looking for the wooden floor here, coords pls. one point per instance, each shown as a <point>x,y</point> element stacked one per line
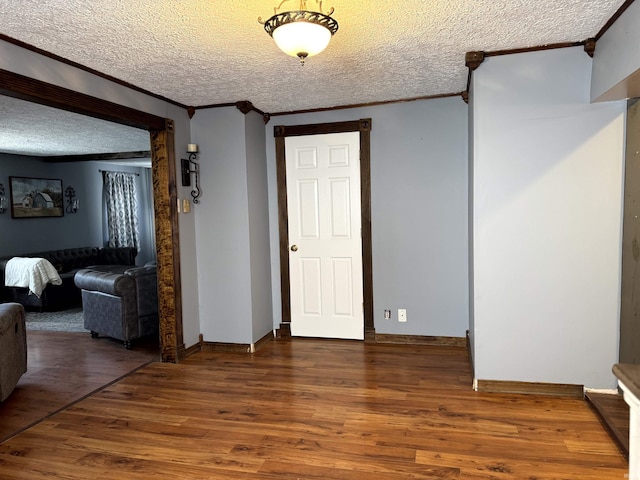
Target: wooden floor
<point>63,368</point>
<point>613,412</point>
<point>314,409</point>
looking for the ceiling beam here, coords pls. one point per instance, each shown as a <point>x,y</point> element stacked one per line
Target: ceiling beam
<point>97,156</point>
<point>26,88</point>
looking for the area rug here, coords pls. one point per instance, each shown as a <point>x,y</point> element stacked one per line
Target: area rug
<point>63,321</point>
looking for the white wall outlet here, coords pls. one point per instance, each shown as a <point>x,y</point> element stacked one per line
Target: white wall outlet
<point>387,314</point>
<point>402,314</point>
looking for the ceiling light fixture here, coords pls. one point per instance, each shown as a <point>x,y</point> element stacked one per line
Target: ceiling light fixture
<point>301,33</point>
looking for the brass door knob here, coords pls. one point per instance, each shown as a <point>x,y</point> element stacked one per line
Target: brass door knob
<point>294,248</point>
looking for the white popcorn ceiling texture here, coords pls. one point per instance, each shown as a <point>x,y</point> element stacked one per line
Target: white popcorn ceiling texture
<point>202,52</point>
<point>30,129</point>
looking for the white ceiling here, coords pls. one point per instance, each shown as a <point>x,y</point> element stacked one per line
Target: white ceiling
<point>30,129</point>
<point>202,52</point>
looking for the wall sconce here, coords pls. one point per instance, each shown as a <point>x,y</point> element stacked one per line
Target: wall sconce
<point>192,150</point>
<point>3,200</point>
<point>72,201</point>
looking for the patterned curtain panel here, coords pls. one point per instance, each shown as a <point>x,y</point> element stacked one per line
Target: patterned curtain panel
<point>122,209</point>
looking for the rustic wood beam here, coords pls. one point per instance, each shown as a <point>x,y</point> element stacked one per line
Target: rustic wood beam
<point>97,156</point>
<point>27,88</point>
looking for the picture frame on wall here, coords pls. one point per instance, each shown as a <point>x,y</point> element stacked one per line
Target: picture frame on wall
<point>36,197</point>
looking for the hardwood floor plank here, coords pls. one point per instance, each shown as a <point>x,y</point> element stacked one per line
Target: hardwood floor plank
<point>477,467</point>
<point>314,409</point>
<point>62,368</point>
<point>613,412</point>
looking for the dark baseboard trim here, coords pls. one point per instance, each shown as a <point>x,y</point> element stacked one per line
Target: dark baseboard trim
<point>237,347</point>
<point>369,335</point>
<point>226,347</point>
<point>263,341</point>
<point>531,388</point>
<point>284,330</point>
<point>473,367</point>
<point>420,340</point>
<point>184,352</point>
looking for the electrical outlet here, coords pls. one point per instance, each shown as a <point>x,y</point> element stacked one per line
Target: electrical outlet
<point>402,315</point>
<point>387,314</point>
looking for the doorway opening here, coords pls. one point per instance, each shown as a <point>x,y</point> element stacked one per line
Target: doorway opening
<point>164,187</point>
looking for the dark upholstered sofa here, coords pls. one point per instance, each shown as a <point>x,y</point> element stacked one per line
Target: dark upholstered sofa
<point>123,305</point>
<point>67,262</point>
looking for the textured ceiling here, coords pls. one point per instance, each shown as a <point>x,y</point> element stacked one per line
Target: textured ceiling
<point>30,129</point>
<point>202,52</point>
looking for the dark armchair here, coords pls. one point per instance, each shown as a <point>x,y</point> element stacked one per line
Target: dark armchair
<point>13,347</point>
<point>123,306</point>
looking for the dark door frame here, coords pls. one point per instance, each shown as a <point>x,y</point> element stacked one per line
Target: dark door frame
<point>164,187</point>
<point>280,132</point>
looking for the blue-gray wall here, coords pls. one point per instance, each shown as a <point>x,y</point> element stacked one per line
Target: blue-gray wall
<point>222,226</point>
<point>82,229</point>
<point>257,189</point>
<point>548,177</point>
<point>419,170</point>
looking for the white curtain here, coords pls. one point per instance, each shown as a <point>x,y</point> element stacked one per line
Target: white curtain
<point>122,209</point>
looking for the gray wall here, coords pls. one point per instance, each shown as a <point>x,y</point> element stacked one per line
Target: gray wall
<point>261,307</point>
<point>232,226</point>
<point>470,232</point>
<point>547,220</point>
<point>616,63</point>
<point>419,169</point>
<point>82,229</point>
<point>222,220</point>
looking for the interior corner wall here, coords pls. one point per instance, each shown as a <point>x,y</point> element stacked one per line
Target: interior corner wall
<point>616,61</point>
<point>547,181</point>
<point>258,201</point>
<point>471,330</point>
<point>222,226</point>
<point>418,213</point>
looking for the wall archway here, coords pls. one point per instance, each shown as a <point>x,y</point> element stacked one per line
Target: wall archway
<point>164,186</point>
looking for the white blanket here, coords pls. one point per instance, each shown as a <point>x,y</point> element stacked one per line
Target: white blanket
<point>31,273</point>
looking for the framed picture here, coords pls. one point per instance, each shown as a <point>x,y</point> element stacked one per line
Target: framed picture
<point>36,197</point>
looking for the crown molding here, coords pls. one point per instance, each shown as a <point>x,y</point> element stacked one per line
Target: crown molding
<point>66,61</point>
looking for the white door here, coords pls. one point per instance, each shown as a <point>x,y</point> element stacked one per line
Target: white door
<point>325,245</point>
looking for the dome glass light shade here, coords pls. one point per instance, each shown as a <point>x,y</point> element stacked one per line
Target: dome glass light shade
<point>302,39</point>
<point>301,33</point>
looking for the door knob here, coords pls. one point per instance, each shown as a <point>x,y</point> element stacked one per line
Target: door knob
<point>294,248</point>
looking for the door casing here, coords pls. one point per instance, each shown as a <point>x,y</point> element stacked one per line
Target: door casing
<point>280,133</point>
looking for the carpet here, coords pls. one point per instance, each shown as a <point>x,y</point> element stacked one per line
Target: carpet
<point>63,321</point>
